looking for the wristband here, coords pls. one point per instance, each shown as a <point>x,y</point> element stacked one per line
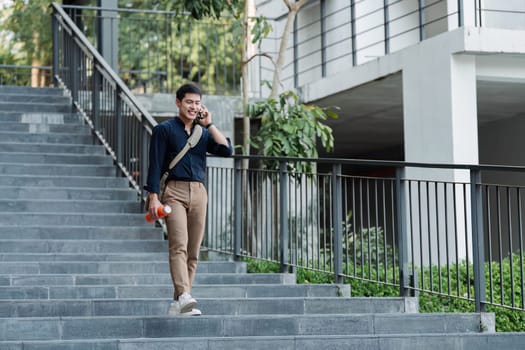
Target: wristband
<point>208,126</point>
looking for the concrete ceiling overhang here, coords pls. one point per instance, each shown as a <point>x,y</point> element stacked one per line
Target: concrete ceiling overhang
<point>370,123</point>
<point>370,120</point>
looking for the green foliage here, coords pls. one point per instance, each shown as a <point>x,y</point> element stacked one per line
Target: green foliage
<point>260,30</point>
<point>198,9</point>
<point>155,49</point>
<point>206,8</point>
<point>507,320</point>
<point>360,288</point>
<point>30,26</point>
<point>366,245</point>
<point>261,266</point>
<point>290,129</point>
<point>313,277</point>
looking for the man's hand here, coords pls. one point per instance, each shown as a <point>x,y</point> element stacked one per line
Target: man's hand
<point>154,204</point>
<point>215,133</point>
<point>206,114</point>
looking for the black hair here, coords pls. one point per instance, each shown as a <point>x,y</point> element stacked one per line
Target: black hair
<point>188,89</point>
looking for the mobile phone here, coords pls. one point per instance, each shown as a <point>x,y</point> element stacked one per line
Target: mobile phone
<point>200,115</point>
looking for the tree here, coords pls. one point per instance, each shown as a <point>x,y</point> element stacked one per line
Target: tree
<point>293,9</point>
<point>288,128</point>
<point>30,27</point>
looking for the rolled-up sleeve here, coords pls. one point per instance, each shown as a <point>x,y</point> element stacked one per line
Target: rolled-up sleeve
<point>219,149</point>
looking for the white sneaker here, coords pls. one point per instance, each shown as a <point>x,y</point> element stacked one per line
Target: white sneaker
<point>193,312</point>
<point>186,302</point>
<point>174,310</point>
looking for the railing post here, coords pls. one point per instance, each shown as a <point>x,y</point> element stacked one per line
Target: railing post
<point>337,219</point>
<point>54,31</point>
<point>421,10</point>
<point>283,216</point>
<point>354,36</point>
<point>74,66</point>
<point>144,148</point>
<point>461,13</point>
<point>402,239</point>
<point>237,218</point>
<point>119,152</point>
<point>386,18</point>
<point>95,105</point>
<point>478,244</point>
<point>323,38</point>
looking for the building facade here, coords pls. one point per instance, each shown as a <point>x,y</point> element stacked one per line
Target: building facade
<point>416,80</point>
<point>428,81</point>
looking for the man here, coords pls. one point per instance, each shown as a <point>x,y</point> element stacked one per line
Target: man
<point>185,192</point>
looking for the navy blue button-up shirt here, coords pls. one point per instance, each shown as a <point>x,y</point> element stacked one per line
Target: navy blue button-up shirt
<point>169,138</point>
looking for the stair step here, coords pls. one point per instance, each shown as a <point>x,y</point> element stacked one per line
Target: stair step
<point>165,291</point>
<point>82,246</point>
<point>75,219</point>
<point>48,328</point>
<point>68,193</point>
<point>40,117</point>
<point>55,158</point>
<point>41,232</point>
<point>99,182</point>
<point>26,90</point>
<point>211,306</point>
<point>414,341</point>
<point>91,267</point>
<point>35,107</point>
<point>79,258</point>
<point>69,206</point>
<point>60,138</point>
<point>113,267</point>
<point>56,169</point>
<point>51,148</point>
<point>40,128</point>
<point>35,98</point>
<point>157,279</point>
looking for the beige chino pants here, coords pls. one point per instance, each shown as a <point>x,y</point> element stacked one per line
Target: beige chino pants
<point>186,223</point>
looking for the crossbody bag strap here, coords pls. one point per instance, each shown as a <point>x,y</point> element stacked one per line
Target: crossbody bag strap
<point>192,141</point>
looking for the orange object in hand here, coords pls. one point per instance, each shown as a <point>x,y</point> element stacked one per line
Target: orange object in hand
<point>162,211</point>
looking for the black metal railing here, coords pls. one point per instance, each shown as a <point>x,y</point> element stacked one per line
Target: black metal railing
<point>160,50</point>
<point>358,32</point>
<point>121,124</point>
<point>432,228</point>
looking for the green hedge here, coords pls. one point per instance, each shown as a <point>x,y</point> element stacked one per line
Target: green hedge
<point>507,320</point>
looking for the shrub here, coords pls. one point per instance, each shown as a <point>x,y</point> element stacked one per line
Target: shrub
<point>507,320</point>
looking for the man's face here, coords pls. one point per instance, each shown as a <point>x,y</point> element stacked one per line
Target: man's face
<point>189,106</point>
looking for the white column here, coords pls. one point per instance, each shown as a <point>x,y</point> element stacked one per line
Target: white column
<point>108,32</point>
<point>440,126</point>
<point>440,115</point>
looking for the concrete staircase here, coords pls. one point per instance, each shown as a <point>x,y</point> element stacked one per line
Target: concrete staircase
<point>81,269</point>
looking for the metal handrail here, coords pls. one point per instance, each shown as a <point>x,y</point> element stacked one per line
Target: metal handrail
<point>423,227</point>
<point>106,82</point>
<point>181,47</point>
